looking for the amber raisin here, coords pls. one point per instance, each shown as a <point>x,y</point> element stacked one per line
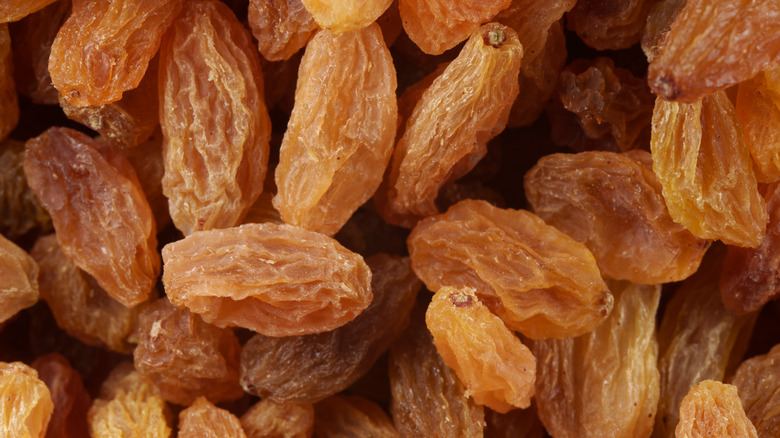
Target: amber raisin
<point>268,419</point>
<point>351,417</point>
<point>9,105</point>
<point>609,24</point>
<point>18,279</point>
<point>758,381</point>
<point>26,405</point>
<point>281,27</point>
<point>70,398</point>
<point>713,408</point>
<point>12,10</point>
<point>758,109</point>
<point>346,15</point>
<point>204,420</point>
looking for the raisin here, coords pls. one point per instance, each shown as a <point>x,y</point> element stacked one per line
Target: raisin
<point>102,219</point>
<point>9,105</point>
<point>351,417</point>
<point>758,109</point>
<point>713,408</point>
<point>19,284</point>
<point>26,405</point>
<point>435,31</point>
<point>80,306</point>
<point>104,47</point>
<point>609,24</point>
<point>659,19</point>
<point>466,106</point>
<point>715,44</point>
<point>340,16</point>
<point>215,125</point>
<point>281,27</point>
<point>704,167</point>
<point>758,383</point>
<point>204,420</point>
<point>517,423</point>
<point>540,281</point>
<point>147,160</point>
<point>22,212</point>
<point>340,135</point>
<point>185,357</point>
<point>13,10</point>
<point>283,420</point>
<point>428,399</point>
<point>301,282</point>
<point>495,367</point>
<point>603,383</point>
<point>70,398</point>
<point>613,204</point>
<point>327,363</point>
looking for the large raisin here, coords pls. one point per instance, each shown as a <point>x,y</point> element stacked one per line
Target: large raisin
<point>609,24</point>
<point>340,135</point>
<point>204,420</point>
<point>351,417</point>
<point>758,382</point>
<point>278,420</point>
<point>713,408</point>
<point>346,15</point>
<point>70,398</point>
<point>22,212</point>
<point>281,27</point>
<point>278,280</point>
<point>758,109</point>
<point>26,405</point>
<point>18,279</point>
<point>9,104</point>
<point>215,124</point>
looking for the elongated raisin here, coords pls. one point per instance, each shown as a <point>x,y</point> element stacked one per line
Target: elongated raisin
<point>19,284</point>
<point>351,417</point>
<point>70,398</point>
<point>609,24</point>
<point>758,109</point>
<point>758,381</point>
<point>281,27</point>
<point>215,124</point>
<point>267,418</point>
<point>301,282</point>
<point>9,104</point>
<point>204,420</point>
<point>713,408</point>
<point>26,405</point>
<point>340,16</point>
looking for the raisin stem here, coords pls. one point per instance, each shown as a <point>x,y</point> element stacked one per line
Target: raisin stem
<point>494,37</point>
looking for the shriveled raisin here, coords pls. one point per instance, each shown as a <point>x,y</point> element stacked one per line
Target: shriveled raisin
<point>758,109</point>
<point>204,420</point>
<point>23,212</point>
<point>340,16</point>
<point>9,104</point>
<point>26,405</point>
<point>351,417</point>
<point>268,418</point>
<point>609,24</point>
<point>713,408</point>
<point>758,382</point>
<point>70,398</point>
<point>18,279</point>
<point>281,27</point>
<point>12,10</point>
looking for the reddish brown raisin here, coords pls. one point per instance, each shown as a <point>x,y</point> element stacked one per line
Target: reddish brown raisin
<point>281,27</point>
<point>70,398</point>
<point>353,416</point>
<point>609,24</point>
<point>9,105</point>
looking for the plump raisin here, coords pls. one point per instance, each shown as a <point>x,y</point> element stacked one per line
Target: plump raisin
<point>9,104</point>
<point>713,408</point>
<point>345,15</point>
<point>204,420</point>
<point>215,124</point>
<point>26,405</point>
<point>758,382</point>
<point>571,393</point>
<point>80,306</point>
<point>351,416</point>
<point>609,24</point>
<point>326,363</point>
<point>613,204</point>
<point>281,27</point>
<point>466,106</point>
<point>301,282</point>
<point>70,398</point>
<point>102,219</point>
<point>494,365</point>
<point>659,19</point>
<point>104,47</point>
<point>12,10</point>
<point>283,420</point>
<point>540,281</point>
<point>23,212</point>
<point>517,423</point>
<point>701,159</point>
<point>340,135</point>
<point>18,279</point>
<point>758,109</point>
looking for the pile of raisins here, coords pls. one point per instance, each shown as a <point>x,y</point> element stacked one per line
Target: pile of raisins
<point>386,218</point>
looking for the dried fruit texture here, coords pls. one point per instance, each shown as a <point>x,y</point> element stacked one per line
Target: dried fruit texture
<point>697,339</point>
<point>105,46</point>
<point>428,399</point>
<point>281,27</point>
<point>340,135</point>
<point>751,276</point>
<point>22,212</point>
<point>9,105</point>
<point>19,284</point>
<point>603,383</point>
<point>204,420</point>
<point>185,357</point>
<point>103,221</point>
<point>659,19</point>
<point>713,408</point>
<point>613,204</point>
<point>609,25</point>
<point>70,398</point>
<point>127,122</point>
<point>129,406</point>
<point>439,25</point>
<point>500,252</point>
<point>517,423</point>
<point>25,402</point>
<point>313,367</point>
<point>465,107</point>
<point>494,365</point>
<point>278,280</point>
<point>215,124</point>
<point>268,419</point>
<point>758,381</point>
<point>758,109</point>
<point>703,165</point>
<point>351,417</point>
<point>13,10</point>
<point>340,16</point>
<point>80,306</point>
<point>32,39</point>
<point>601,107</point>
<point>714,44</point>
<point>147,160</point>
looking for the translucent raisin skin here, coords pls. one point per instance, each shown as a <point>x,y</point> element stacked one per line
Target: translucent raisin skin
<point>19,274</point>
<point>465,107</point>
<point>80,306</point>
<point>281,27</point>
<point>613,204</point>
<point>267,418</point>
<point>338,143</point>
<point>9,105</point>
<point>438,25</point>
<point>70,398</point>
<point>713,408</point>
<point>104,47</point>
<point>703,165</point>
<point>345,15</point>
<point>185,357</point>
<point>102,219</point>
<point>714,44</point>
<point>301,282</point>
<point>571,393</point>
<point>609,24</point>
<point>326,363</point>
<point>758,109</point>
<point>26,405</point>
<point>499,253</point>
<point>758,380</point>
<point>215,124</point>
<point>23,211</point>
<point>204,420</point>
<point>351,416</point>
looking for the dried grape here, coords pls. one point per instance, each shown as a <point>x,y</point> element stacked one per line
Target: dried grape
<point>12,10</point>
<point>758,109</point>
<point>341,16</point>
<point>23,212</point>
<point>713,408</point>
<point>758,381</point>
<point>268,419</point>
<point>9,105</point>
<point>609,24</point>
<point>18,279</point>
<point>281,27</point>
<point>351,417</point>
<point>204,420</point>
<point>70,398</point>
<point>25,405</point>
